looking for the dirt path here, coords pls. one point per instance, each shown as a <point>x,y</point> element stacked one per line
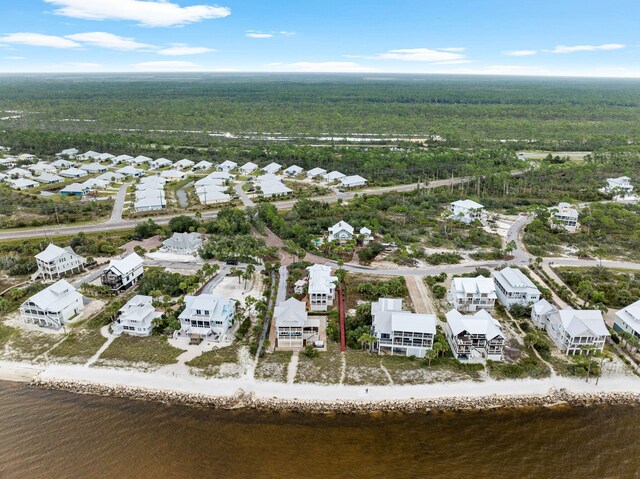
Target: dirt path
<point>419,295</point>
<point>292,369</point>
<point>386,371</point>
<point>556,299</point>
<point>110,337</point>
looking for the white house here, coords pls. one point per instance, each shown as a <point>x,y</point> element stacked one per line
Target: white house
<point>565,216</point>
<point>69,153</point>
<point>136,317</point>
<point>53,306</point>
<point>341,232</point>
<point>93,168</point>
<point>474,337</point>
<point>183,243</point>
<point>312,173</point>
<point>352,181</point>
<point>401,332</point>
<point>294,328</point>
<point>184,164</point>
<point>23,184</point>
<point>333,176</point>
<point>160,163</point>
<point>139,160</point>
<point>42,167</point>
<point>89,155</point>
<point>627,320</point>
<point>574,331</point>
<point>95,184</point>
<point>293,170</point>
<point>173,174</point>
<point>55,261</point>
<point>621,187</point>
<point>73,173</point>
<point>366,235</point>
<point>207,315</point>
<point>49,179</point>
<point>270,188</point>
<point>62,164</point>
<point>131,172</point>
<point>202,165</point>
<point>105,157</point>
<point>18,173</point>
<point>539,312</point>
<point>467,211</point>
<point>322,287</point>
<point>248,168</point>
<point>75,189</point>
<point>110,177</point>
<point>151,202</point>
<point>272,168</point>
<point>227,166</point>
<point>121,159</point>
<point>156,181</point>
<point>212,194</point>
<point>472,294</point>
<point>123,273</point>
<point>514,287</point>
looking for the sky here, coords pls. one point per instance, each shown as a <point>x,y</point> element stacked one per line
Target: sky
<point>498,37</point>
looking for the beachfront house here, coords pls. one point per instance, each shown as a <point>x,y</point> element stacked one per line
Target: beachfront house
<point>294,328</point>
<point>566,216</point>
<point>627,320</point>
<point>54,261</point>
<point>574,331</point>
<point>352,181</point>
<point>341,232</point>
<point>136,317</point>
<point>467,211</point>
<point>248,168</point>
<point>514,287</point>
<point>207,315</point>
<point>312,173</point>
<point>472,294</point>
<point>183,243</point>
<point>322,287</point>
<point>123,273</point>
<point>52,307</point>
<point>227,166</point>
<point>293,170</point>
<point>474,337</point>
<point>401,332</point>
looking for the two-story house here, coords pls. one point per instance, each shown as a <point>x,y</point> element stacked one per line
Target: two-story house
<point>294,328</point>
<point>207,315</point>
<point>341,232</point>
<point>136,317</point>
<point>55,261</point>
<point>514,287</point>
<point>467,211</point>
<point>472,294</point>
<point>53,306</point>
<point>401,332</point>
<point>474,337</point>
<point>566,216</point>
<point>123,273</point>
<point>322,287</point>
<point>627,320</point>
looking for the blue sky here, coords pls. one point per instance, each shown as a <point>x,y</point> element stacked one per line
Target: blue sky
<point>521,37</point>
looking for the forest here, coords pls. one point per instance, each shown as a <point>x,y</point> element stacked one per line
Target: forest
<point>197,110</point>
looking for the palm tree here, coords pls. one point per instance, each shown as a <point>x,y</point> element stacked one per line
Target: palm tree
<point>368,339</point>
<point>250,271</point>
<point>431,354</point>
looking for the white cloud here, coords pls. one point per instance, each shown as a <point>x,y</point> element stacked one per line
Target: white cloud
<point>519,53</point>
<point>320,67</point>
<point>38,40</point>
<point>149,13</point>
<point>259,35</point>
<point>418,55</point>
<point>585,48</point>
<point>168,66</point>
<point>452,49</point>
<point>109,40</point>
<point>286,33</point>
<point>179,49</point>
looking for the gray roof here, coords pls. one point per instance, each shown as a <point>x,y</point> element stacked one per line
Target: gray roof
<point>190,241</point>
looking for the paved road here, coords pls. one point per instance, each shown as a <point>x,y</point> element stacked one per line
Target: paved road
<point>116,214</point>
<point>216,280</point>
<point>282,285</point>
<point>243,195</point>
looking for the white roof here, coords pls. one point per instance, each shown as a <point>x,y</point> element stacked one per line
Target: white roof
<point>467,204</point>
<point>126,264</point>
<point>56,297</point>
<point>542,307</point>
<point>18,172</point>
<point>49,178</point>
<point>513,279</point>
<point>61,164</point>
<point>69,151</point>
<point>90,154</point>
<point>340,226</point>
<point>417,323</point>
<point>184,163</point>
<point>139,308</point>
<point>219,175</point>
<point>150,202</point>
<point>320,279</point>
<point>294,170</point>
<point>204,164</point>
<point>173,174</point>
<point>149,194</point>
<point>210,182</point>
<point>151,180</point>
<point>272,168</point>
<point>212,194</point>
<point>316,172</point>
<point>141,159</point>
<point>630,315</point>
<point>352,180</point>
<point>228,164</point>
<point>75,188</point>
<point>479,323</point>
<point>249,166</point>
<point>582,322</point>
<point>93,167</point>
<point>162,162</point>
<point>96,183</point>
<point>129,170</point>
<point>52,252</point>
<point>477,285</point>
<point>365,231</point>
<point>23,183</point>
<point>290,313</point>
<point>105,156</point>
<point>73,172</point>
<point>184,241</point>
<point>110,176</point>
<point>270,188</point>
<point>216,305</point>
<point>121,158</point>
<point>333,175</point>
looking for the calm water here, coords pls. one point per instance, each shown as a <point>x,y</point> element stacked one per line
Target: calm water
<point>51,434</point>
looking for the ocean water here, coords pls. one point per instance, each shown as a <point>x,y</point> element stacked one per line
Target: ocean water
<point>53,434</point>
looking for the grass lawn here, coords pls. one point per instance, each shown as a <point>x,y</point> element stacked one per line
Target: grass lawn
<point>528,366</point>
<point>273,366</point>
<point>28,345</point>
<point>6,333</point>
<point>324,369</point>
<point>364,368</point>
<point>78,346</point>
<point>153,350</point>
<point>221,362</point>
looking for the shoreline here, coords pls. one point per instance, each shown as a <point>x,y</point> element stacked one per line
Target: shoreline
<point>242,393</point>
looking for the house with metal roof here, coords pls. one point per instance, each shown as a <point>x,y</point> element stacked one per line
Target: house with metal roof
<point>202,165</point>
<point>183,243</point>
<point>514,287</point>
<point>401,332</point>
<point>207,315</point>
<point>130,172</point>
<point>49,179</point>
<point>184,164</point>
<point>248,168</point>
<point>565,216</point>
<point>627,320</point>
<point>23,184</point>
<point>294,328</point>
<point>472,294</point>
<point>136,317</point>
<point>75,189</point>
<point>333,176</point>
<point>467,211</point>
<point>341,232</point>
<point>55,261</point>
<point>93,168</point>
<point>227,166</point>
<point>73,173</point>
<point>160,163</point>
<point>474,338</point>
<point>52,307</point>
<point>293,170</point>
<point>123,273</point>
<point>352,181</point>
<point>322,287</point>
<point>312,173</point>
